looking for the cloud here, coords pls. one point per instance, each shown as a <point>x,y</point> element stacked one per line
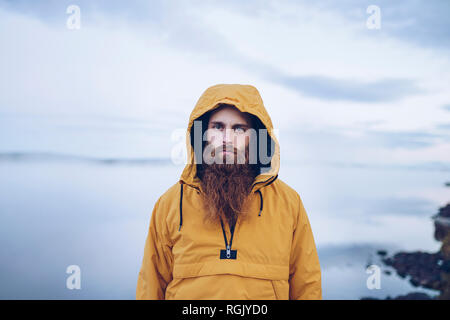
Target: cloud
<point>420,23</point>
<point>407,140</point>
<point>179,27</point>
<point>351,90</point>
<point>401,206</point>
<point>444,126</point>
<point>425,24</point>
<point>54,11</point>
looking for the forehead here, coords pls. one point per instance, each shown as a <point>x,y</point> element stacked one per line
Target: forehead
<point>229,114</point>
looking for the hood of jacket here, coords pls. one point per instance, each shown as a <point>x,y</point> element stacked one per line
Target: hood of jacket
<point>245,98</point>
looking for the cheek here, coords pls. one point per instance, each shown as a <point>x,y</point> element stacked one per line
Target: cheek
<point>214,138</point>
<point>215,141</point>
<point>242,142</point>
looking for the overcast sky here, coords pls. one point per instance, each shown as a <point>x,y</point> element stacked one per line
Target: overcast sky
<point>342,97</point>
<point>337,91</point>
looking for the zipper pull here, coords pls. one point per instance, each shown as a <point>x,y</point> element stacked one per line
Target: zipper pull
<point>228,251</point>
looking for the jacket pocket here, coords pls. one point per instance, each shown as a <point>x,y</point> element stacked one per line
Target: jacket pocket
<point>281,289</point>
<point>223,280</point>
<point>274,290</point>
<point>220,287</point>
<point>171,289</point>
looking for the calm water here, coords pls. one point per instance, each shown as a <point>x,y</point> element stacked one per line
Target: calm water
<point>55,214</point>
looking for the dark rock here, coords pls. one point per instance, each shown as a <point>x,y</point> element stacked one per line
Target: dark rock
<point>445,267</point>
<point>442,223</point>
<point>414,296</point>
<point>424,269</point>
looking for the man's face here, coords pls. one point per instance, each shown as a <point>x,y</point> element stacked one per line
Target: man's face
<point>228,135</point>
<point>226,186</point>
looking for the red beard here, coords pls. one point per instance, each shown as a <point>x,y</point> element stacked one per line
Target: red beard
<point>225,190</point>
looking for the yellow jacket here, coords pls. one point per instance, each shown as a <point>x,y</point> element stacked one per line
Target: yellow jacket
<point>276,253</point>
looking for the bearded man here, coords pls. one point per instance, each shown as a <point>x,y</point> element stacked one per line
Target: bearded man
<point>230,229</point>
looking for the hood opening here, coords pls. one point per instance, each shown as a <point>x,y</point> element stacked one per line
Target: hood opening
<point>247,99</point>
<point>257,124</point>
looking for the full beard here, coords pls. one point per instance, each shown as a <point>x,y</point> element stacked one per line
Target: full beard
<point>225,190</point>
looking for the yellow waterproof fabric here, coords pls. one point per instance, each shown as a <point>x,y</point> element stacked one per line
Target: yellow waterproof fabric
<point>276,252</point>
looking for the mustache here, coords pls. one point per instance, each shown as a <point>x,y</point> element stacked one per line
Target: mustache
<point>216,154</point>
<point>226,148</point>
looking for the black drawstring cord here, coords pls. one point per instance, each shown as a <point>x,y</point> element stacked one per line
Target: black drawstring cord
<point>261,206</point>
<point>181,207</point>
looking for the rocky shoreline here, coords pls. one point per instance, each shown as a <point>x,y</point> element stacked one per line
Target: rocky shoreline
<point>424,269</point>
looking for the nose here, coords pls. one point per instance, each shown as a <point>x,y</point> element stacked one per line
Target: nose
<point>228,137</point>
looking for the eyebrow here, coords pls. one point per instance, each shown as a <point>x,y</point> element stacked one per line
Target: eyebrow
<point>235,125</point>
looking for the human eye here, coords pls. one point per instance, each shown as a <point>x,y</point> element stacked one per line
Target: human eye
<point>239,129</point>
<point>216,126</point>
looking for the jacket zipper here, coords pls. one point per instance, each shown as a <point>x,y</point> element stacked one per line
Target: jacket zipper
<point>228,245</point>
<point>232,228</point>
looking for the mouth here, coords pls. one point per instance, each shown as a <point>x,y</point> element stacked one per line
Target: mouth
<point>225,153</point>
